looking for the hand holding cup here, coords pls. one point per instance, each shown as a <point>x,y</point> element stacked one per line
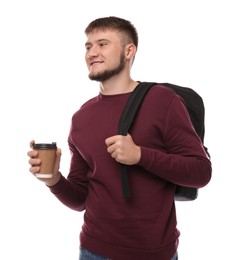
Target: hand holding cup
<point>45,162</point>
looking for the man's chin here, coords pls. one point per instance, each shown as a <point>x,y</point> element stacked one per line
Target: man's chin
<point>98,77</point>
<point>94,78</point>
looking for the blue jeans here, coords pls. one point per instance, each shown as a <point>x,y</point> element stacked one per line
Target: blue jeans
<point>87,255</point>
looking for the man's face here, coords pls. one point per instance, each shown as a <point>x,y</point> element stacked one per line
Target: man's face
<point>104,55</point>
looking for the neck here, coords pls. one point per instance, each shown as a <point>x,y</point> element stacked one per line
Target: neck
<point>117,87</point>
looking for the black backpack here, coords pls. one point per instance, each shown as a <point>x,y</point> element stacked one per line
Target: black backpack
<point>196,110</point>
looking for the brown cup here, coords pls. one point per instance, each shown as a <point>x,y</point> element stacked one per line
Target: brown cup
<point>47,154</point>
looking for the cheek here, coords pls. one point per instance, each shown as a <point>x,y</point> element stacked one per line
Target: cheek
<point>115,61</point>
<point>86,60</point>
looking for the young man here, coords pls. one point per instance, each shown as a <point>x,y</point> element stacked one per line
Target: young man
<point>162,150</point>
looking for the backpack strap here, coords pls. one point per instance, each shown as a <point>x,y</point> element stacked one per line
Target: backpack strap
<point>127,117</point>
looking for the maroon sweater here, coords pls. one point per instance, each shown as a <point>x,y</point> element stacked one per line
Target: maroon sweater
<point>143,227</point>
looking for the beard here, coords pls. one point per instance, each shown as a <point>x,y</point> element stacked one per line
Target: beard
<point>107,74</point>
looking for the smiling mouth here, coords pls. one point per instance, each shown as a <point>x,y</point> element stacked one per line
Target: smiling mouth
<point>95,63</point>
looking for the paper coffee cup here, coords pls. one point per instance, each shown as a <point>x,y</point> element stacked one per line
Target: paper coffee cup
<point>47,154</point>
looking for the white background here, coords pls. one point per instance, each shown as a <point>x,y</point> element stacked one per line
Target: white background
<point>43,81</point>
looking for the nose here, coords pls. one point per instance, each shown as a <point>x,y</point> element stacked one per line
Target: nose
<point>92,52</point>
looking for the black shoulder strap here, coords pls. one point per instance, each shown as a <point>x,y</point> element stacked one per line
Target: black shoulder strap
<point>132,106</point>
<point>126,120</point>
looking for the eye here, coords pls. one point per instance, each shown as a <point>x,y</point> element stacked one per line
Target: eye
<point>102,44</point>
<point>87,46</point>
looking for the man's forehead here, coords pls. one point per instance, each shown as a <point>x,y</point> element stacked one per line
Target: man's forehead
<point>99,34</point>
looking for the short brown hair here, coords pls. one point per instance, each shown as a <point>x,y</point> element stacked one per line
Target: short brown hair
<point>115,23</point>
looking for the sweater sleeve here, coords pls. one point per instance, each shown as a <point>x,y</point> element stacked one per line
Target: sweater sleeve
<point>185,161</point>
<point>72,191</point>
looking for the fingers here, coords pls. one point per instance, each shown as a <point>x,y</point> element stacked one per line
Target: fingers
<point>111,140</point>
<point>32,153</point>
<point>123,149</point>
<point>116,147</point>
<point>111,148</point>
<point>34,169</point>
<point>34,165</point>
<point>33,161</point>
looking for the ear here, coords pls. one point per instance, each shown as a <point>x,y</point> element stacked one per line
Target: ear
<point>130,51</point>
